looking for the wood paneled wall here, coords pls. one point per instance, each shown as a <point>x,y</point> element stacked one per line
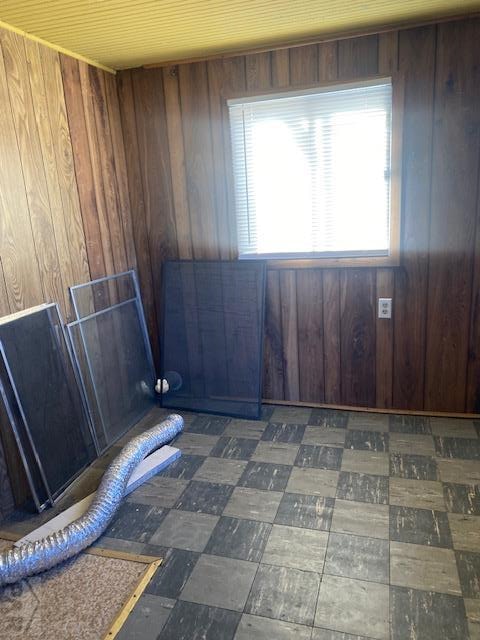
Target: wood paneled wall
<point>64,205</point>
<point>323,340</point>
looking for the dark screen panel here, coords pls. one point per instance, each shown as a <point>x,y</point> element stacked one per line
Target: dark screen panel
<point>48,394</point>
<point>213,336</point>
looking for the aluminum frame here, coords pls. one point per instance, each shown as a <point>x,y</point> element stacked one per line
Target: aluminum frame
<point>79,323</point>
<point>164,302</point>
<point>54,495</point>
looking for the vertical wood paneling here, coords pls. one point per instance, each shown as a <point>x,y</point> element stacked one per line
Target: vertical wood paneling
<point>225,77</point>
<point>17,248</point>
<point>384,342</point>
<point>288,305</point>
<point>360,359</point>
<point>454,200</point>
<point>32,167</point>
<point>309,294</point>
<point>472,402</point>
<point>281,68</point>
<point>273,378</point>
<point>198,158</point>
<point>357,335</point>
<point>331,335</point>
<point>304,64</point>
<point>177,161</point>
<point>137,199</point>
<point>417,63</point>
<point>258,69</point>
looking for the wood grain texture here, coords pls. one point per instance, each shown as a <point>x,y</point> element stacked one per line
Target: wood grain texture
<point>417,63</point>
<point>363,361</point>
<point>357,335</point>
<point>288,307</point>
<point>454,206</point>
<point>273,377</point>
<point>310,334</point>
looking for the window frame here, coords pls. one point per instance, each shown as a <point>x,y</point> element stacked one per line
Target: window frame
<point>393,257</point>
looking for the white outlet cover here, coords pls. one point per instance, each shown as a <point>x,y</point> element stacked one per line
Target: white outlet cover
<point>384,307</point>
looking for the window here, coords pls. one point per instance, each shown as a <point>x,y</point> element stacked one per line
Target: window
<point>313,172</point>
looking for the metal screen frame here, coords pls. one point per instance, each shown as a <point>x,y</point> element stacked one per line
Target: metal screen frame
<point>79,323</point>
<point>164,303</point>
<point>52,496</point>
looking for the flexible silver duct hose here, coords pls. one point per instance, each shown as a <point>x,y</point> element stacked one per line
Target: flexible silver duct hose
<point>34,557</point>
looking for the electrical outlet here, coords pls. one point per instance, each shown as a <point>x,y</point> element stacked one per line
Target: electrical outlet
<point>384,307</point>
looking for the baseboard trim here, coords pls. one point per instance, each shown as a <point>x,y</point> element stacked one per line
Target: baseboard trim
<point>343,407</point>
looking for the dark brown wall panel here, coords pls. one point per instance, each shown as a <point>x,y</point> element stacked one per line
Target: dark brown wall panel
<point>323,340</point>
<point>456,138</point>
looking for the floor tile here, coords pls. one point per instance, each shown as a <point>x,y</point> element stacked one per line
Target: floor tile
<point>328,436</point>
<point>353,606</point>
<point>245,429</point>
<point>266,476</point>
<point>366,462</point>
<point>136,522</point>
<point>329,418</point>
<point>283,432</point>
<point>158,491</point>
<point>422,494</point>
<point>208,425</point>
<point>472,608</point>
<point>255,627</point>
<point>362,487</point>
<point>299,415</point>
<point>234,448</point>
<point>196,443</point>
<point>184,467</point>
<point>220,470</point>
<point>173,573</point>
<point>465,530</point>
<point>459,471</point>
<point>425,568</point>
<point>419,526</point>
<point>366,440</point>
<point>189,621</point>
<point>427,616</point>
<point>468,564</point>
<point>310,512</point>
<point>296,548</point>
<point>313,482</point>
<point>205,497</point>
<point>185,530</point>
<point>220,582</point>
<point>319,457</point>
<point>253,504</point>
<point>413,467</point>
<point>284,594</point>
<point>417,444</point>
<point>410,424</point>
<point>275,452</point>
<point>328,634</point>
<point>241,539</point>
<point>147,618</point>
<point>462,498</point>
<point>453,427</point>
<point>463,448</point>
<point>357,557</point>
<point>361,518</point>
<point>365,421</point>
<point>267,411</point>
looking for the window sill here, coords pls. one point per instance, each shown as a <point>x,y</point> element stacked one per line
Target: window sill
<point>331,263</point>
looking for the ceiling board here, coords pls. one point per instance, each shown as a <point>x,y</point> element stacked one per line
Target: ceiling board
<point>130,33</point>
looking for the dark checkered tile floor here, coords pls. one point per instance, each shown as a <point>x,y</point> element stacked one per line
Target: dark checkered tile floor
<point>311,524</point>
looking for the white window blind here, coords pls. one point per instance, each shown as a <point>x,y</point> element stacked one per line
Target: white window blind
<point>312,171</point>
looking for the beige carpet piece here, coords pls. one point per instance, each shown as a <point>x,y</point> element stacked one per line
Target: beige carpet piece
<point>78,599</point>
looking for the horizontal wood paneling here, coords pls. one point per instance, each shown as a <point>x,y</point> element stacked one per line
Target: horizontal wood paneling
<point>323,340</point>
